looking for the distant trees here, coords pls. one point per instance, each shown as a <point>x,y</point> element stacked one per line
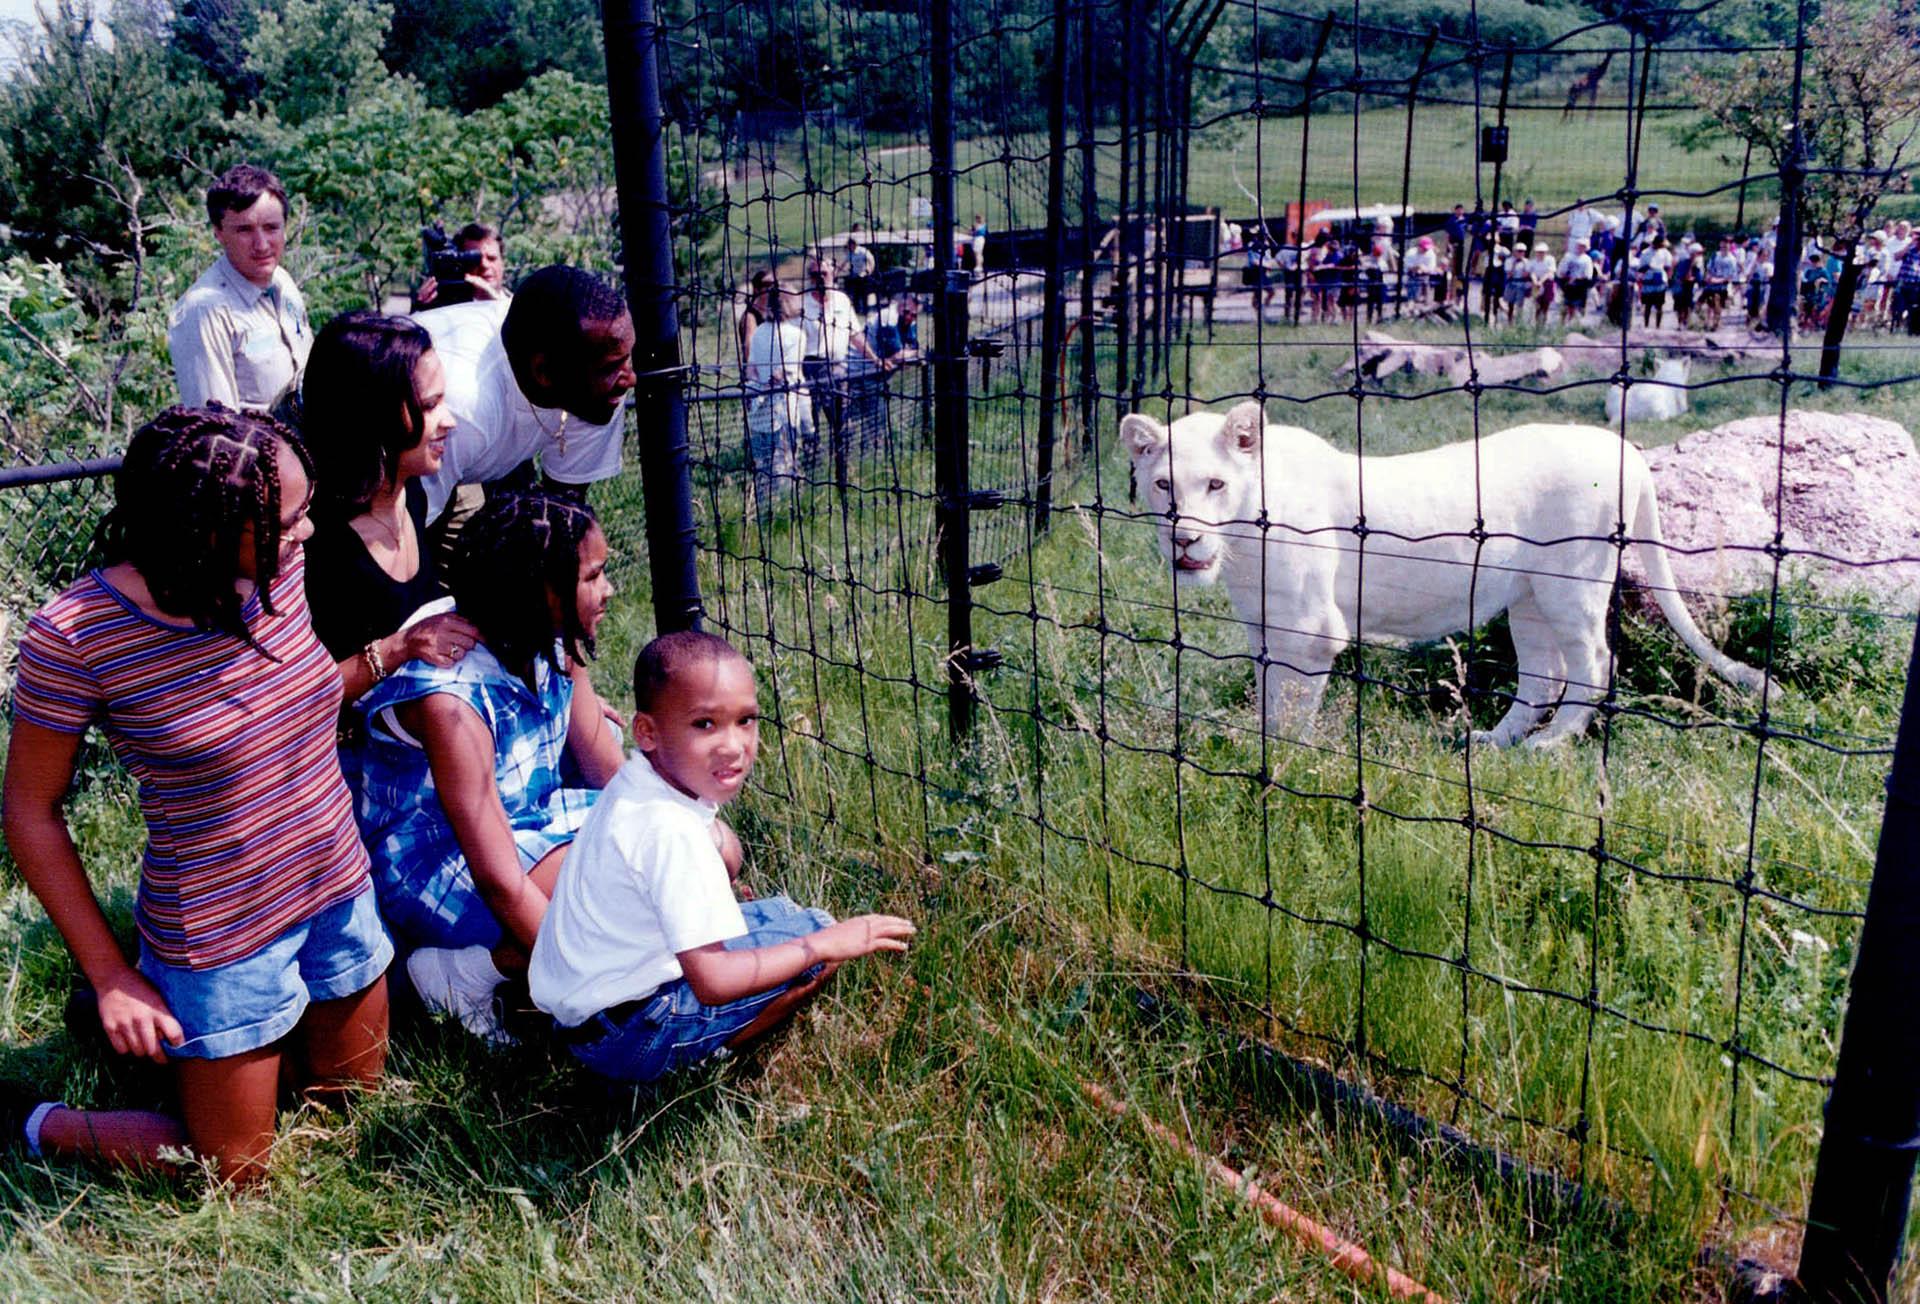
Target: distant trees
<point>1858,124</point>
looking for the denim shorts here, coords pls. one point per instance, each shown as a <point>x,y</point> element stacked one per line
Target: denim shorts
<point>671,1029</point>
<point>256,1001</point>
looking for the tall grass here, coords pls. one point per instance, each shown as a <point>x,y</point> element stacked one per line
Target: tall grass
<point>1116,823</point>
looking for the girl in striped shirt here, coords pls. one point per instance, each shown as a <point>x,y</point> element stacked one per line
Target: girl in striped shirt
<point>193,650</point>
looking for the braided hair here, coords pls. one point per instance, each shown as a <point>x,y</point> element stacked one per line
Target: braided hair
<point>517,552</point>
<point>191,482</point>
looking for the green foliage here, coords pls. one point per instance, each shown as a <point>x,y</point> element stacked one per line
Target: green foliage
<point>366,179</point>
<point>1282,46</point>
<point>85,125</point>
<point>1859,101</point>
<point>468,56</point>
<point>315,57</point>
<point>212,36</point>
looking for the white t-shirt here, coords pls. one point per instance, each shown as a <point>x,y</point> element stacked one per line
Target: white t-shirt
<point>496,428</point>
<point>830,326</point>
<point>776,383</point>
<point>641,883</point>
<point>1579,224</point>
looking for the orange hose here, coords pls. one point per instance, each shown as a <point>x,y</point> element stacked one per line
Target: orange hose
<point>1343,1254</point>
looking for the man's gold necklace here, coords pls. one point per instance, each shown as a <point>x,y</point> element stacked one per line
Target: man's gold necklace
<point>559,434</point>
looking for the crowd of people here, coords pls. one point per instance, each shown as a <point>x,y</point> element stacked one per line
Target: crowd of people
<point>816,362</point>
<point>340,632</point>
<point>1606,264</point>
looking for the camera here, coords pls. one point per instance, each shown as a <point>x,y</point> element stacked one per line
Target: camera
<point>447,263</point>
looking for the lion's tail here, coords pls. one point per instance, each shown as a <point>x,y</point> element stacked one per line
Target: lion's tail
<point>1653,555</point>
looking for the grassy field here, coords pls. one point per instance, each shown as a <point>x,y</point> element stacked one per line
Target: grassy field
<point>1123,779</point>
<point>1118,826</point>
<point>794,193</point>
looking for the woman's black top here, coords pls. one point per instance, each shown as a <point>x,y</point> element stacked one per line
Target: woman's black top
<point>353,600</point>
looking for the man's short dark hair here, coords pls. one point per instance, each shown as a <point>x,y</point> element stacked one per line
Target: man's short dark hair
<point>239,188</point>
<point>550,308</point>
<point>474,233</point>
<point>671,655</point>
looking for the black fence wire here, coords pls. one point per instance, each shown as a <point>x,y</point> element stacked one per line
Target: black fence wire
<point>1623,959</point>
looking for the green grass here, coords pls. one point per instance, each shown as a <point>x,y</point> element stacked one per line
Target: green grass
<point>839,182</point>
<point>922,1133</point>
<point>1191,851</point>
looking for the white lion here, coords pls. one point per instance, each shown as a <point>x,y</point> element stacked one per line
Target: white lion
<point>1551,497</point>
<point>1660,399</point>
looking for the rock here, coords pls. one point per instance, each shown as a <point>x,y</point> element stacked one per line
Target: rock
<point>1849,490</point>
<point>1506,368</point>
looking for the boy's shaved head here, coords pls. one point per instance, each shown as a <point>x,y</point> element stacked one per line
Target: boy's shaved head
<point>671,655</point>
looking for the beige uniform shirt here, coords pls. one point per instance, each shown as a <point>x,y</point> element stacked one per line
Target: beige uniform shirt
<point>236,342</point>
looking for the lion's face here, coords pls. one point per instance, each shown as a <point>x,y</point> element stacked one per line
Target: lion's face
<point>1195,476</point>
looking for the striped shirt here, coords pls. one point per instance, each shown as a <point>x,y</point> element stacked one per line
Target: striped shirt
<point>249,825</point>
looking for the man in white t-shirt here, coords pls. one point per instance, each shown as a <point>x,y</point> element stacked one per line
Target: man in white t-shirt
<point>1576,275</point>
<point>834,331</point>
<point>547,380</point>
<point>1579,222</point>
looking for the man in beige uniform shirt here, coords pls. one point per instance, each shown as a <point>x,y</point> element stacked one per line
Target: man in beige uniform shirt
<point>240,335</point>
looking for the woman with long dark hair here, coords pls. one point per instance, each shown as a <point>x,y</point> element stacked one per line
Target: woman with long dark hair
<point>375,419</point>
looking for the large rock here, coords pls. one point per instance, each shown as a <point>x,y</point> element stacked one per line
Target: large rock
<point>1849,489</point>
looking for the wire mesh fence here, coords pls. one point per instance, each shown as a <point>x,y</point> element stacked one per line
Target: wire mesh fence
<point>1623,961</point>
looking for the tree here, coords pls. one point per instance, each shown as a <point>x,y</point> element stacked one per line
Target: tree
<point>1859,116</point>
<point>80,115</point>
<point>315,57</point>
<point>467,56</point>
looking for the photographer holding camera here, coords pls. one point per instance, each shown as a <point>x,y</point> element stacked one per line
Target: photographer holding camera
<point>468,266</point>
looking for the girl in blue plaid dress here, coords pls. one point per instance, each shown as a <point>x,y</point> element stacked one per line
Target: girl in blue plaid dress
<point>478,774</point>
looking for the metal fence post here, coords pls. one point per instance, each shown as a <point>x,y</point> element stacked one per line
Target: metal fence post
<point>632,33</point>
<point>1784,293</point>
<point>1053,324</point>
<point>952,490</point>
<point>1403,221</point>
<point>1299,234</point>
<point>1089,218</point>
<point>1863,1179</point>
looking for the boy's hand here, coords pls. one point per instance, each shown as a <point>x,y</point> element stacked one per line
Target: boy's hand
<point>862,935</point>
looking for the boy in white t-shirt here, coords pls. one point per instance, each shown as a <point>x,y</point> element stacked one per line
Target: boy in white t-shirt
<point>644,958</point>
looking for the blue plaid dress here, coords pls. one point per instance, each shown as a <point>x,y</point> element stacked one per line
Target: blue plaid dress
<point>427,893</point>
